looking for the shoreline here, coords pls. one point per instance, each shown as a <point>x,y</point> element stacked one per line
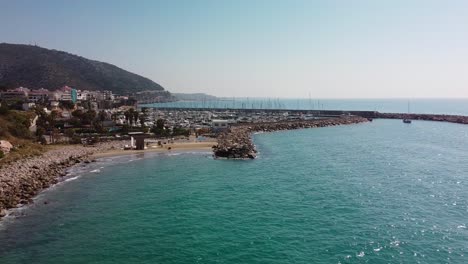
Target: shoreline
<point>176,147</point>
<point>22,180</point>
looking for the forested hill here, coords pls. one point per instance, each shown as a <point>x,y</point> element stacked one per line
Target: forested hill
<point>36,67</point>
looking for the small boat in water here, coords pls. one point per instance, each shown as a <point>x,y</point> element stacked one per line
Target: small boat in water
<point>407,120</point>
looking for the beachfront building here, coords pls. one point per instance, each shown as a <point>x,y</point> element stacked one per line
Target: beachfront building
<point>65,94</point>
<point>20,93</point>
<point>219,125</point>
<point>82,95</point>
<point>39,95</point>
<point>105,95</point>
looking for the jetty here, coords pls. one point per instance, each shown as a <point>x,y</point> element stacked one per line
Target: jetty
<point>458,119</point>
<point>236,142</point>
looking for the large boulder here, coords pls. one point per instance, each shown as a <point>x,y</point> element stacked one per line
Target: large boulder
<point>5,146</point>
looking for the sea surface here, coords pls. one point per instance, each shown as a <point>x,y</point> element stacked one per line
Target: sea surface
<point>379,192</point>
<point>418,106</point>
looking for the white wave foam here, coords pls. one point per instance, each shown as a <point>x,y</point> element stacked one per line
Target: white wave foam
<point>361,254</point>
<point>71,179</point>
<point>96,171</point>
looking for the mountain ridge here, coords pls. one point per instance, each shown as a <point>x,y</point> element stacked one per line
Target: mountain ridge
<point>36,67</point>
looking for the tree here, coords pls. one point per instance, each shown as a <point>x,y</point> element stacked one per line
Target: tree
<point>114,116</point>
<point>143,116</point>
<point>40,132</point>
<point>125,129</point>
<point>129,116</point>
<point>160,123</point>
<point>52,118</point>
<point>135,116</point>
<point>159,129</point>
<point>179,131</point>
<point>69,133</point>
<point>67,104</point>
<point>102,116</point>
<point>55,135</point>
<point>131,112</point>
<point>4,109</point>
<point>88,117</point>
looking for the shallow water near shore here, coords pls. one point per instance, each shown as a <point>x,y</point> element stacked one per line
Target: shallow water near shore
<point>380,192</point>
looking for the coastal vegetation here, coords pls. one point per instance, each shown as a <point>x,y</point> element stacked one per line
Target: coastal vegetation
<point>14,127</point>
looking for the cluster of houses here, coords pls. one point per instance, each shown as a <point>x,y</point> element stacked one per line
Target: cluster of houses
<point>30,97</point>
<point>103,101</point>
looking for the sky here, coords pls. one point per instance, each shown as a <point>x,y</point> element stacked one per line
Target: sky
<point>262,48</point>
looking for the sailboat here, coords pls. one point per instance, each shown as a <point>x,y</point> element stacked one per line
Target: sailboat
<point>407,120</point>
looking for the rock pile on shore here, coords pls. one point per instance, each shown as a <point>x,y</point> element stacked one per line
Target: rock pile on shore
<point>20,181</point>
<point>236,143</point>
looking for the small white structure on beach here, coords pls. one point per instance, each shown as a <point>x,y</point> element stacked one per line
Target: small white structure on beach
<point>218,125</point>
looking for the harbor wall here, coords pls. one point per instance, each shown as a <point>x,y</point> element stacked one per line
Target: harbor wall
<point>236,143</point>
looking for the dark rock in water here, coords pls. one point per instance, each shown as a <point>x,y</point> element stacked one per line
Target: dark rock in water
<point>46,202</point>
<point>87,161</point>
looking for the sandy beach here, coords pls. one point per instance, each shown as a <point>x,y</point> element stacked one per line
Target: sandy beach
<point>20,181</point>
<point>177,146</point>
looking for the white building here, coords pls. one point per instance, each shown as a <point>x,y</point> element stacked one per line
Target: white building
<point>218,125</point>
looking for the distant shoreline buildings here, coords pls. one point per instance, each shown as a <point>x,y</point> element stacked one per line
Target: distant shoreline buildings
<point>64,93</point>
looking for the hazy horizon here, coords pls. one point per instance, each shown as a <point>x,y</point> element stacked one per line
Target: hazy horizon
<point>277,49</point>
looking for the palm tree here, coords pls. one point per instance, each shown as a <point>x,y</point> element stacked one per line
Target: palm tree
<point>135,116</point>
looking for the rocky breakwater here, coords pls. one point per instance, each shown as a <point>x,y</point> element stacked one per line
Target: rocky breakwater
<point>236,143</point>
<point>20,181</point>
<point>427,117</point>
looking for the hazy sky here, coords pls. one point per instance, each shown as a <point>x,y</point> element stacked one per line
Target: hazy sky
<point>330,49</point>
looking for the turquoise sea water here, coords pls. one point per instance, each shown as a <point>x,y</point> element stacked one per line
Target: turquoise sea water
<point>381,192</point>
<point>419,106</point>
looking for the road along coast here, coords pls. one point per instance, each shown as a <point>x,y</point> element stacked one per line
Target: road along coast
<point>236,142</point>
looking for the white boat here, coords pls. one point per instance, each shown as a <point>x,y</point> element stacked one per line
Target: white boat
<point>407,120</point>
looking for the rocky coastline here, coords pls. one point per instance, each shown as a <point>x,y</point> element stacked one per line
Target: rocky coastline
<point>236,142</point>
<point>20,181</point>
